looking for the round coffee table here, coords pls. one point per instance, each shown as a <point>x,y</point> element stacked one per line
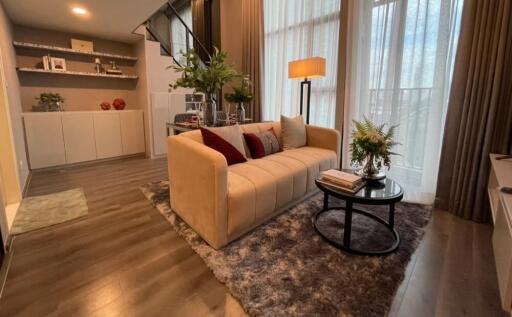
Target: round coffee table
<point>383,192</point>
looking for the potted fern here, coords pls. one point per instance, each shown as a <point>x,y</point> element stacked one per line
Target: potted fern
<point>206,78</point>
<point>371,148</point>
<point>240,96</point>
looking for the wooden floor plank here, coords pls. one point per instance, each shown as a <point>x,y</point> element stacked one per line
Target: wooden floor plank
<point>123,259</point>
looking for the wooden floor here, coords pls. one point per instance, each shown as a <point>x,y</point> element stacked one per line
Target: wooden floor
<point>123,259</point>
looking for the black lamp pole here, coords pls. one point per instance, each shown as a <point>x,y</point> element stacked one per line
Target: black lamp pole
<point>305,82</point>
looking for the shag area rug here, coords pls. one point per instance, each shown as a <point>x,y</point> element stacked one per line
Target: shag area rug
<point>42,211</point>
<point>284,268</point>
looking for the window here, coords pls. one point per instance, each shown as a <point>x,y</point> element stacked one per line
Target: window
<point>296,29</point>
<point>401,74</point>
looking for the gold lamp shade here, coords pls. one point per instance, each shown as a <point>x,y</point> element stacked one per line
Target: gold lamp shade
<point>307,68</point>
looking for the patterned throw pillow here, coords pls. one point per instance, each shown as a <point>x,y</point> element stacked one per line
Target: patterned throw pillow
<point>216,142</point>
<point>262,143</point>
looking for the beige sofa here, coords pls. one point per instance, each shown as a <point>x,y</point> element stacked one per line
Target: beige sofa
<point>222,202</point>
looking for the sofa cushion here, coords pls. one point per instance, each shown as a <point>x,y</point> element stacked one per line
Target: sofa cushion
<point>293,132</point>
<point>283,178</point>
<point>286,165</point>
<point>264,185</point>
<point>262,143</point>
<point>226,148</point>
<point>315,160</point>
<point>260,186</point>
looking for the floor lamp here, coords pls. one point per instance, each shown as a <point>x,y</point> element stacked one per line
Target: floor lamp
<point>306,69</point>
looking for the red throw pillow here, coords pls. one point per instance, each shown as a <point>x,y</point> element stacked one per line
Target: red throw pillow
<point>212,140</point>
<point>262,144</point>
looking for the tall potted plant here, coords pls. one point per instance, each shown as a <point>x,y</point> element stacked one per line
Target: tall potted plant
<point>371,148</point>
<point>240,96</point>
<point>206,78</point>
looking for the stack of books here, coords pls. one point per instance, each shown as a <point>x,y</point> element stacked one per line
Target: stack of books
<point>343,181</point>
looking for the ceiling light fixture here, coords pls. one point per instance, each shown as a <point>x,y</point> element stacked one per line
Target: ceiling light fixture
<point>78,10</point>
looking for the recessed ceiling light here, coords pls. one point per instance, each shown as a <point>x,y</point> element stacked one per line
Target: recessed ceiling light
<point>78,10</point>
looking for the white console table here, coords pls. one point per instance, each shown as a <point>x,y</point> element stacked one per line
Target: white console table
<point>501,208</point>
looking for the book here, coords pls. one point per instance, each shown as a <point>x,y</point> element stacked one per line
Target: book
<point>343,188</point>
<point>341,178</point>
<point>46,63</point>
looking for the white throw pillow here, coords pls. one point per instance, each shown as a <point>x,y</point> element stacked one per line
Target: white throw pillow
<point>293,132</point>
<point>231,134</point>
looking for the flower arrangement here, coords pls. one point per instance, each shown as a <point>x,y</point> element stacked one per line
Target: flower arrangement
<point>209,78</point>
<point>371,146</point>
<point>240,94</point>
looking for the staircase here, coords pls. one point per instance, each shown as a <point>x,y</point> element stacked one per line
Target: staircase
<point>171,26</point>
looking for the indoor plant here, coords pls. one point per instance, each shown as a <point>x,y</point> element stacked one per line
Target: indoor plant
<point>206,78</point>
<point>49,101</point>
<point>240,95</point>
<point>371,147</point>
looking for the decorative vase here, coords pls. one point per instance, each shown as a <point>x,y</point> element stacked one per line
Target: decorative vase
<point>209,108</point>
<point>369,170</point>
<point>105,105</point>
<point>240,113</point>
<point>119,104</point>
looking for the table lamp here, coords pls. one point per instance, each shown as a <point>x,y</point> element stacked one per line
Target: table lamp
<point>306,69</point>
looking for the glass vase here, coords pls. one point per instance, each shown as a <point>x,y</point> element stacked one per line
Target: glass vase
<point>240,113</point>
<point>369,170</point>
<point>209,108</point>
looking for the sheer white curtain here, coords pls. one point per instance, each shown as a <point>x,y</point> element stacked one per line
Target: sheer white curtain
<point>296,29</point>
<point>400,64</point>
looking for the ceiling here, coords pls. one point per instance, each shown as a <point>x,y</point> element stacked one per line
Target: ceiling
<point>108,19</point>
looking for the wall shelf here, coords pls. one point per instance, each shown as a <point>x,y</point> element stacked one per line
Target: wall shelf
<point>74,73</point>
<point>50,48</point>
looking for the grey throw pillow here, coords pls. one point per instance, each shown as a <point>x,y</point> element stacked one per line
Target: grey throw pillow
<point>293,132</point>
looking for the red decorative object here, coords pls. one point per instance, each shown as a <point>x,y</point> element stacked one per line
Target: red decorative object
<point>232,155</point>
<point>119,104</point>
<point>105,105</point>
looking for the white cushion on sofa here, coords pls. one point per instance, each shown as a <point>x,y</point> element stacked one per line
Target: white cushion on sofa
<point>293,132</point>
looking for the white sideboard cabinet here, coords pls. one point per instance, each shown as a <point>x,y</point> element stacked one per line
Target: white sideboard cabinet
<point>501,208</point>
<point>58,138</point>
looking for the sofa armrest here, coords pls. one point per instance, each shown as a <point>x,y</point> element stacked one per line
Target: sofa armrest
<point>198,188</point>
<point>324,138</point>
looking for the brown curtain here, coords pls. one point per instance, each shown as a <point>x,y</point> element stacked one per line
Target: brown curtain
<point>252,52</point>
<point>479,117</point>
<point>201,22</point>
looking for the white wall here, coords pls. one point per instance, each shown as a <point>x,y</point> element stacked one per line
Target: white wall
<point>154,78</point>
<point>13,96</point>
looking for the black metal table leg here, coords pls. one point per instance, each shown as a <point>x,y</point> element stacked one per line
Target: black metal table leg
<point>392,215</point>
<point>348,224</point>
<point>326,201</point>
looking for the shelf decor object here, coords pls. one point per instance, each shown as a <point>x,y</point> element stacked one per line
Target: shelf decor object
<point>119,104</point>
<point>306,69</point>
<point>51,48</point>
<point>74,73</point>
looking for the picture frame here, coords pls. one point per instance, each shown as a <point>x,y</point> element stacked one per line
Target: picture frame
<point>82,46</point>
<point>58,64</point>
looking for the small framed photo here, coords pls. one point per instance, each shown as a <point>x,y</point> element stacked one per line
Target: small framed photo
<point>58,64</point>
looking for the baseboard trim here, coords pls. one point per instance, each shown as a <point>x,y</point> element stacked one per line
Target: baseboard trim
<point>87,163</point>
<point>4,271</point>
<point>27,184</point>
